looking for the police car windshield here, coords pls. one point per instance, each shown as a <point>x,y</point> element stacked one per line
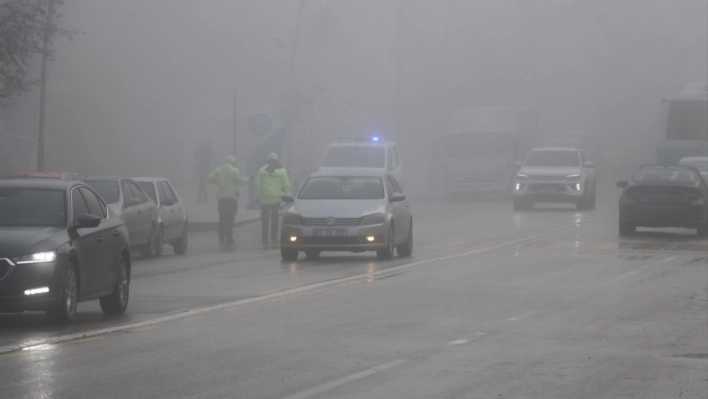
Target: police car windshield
<point>355,157</point>
<point>343,187</point>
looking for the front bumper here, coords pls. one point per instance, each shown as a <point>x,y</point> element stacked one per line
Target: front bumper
<point>30,277</point>
<point>354,241</point>
<point>688,216</point>
<point>545,191</point>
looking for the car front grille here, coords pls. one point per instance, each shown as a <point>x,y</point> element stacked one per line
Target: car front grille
<point>5,268</point>
<point>551,187</point>
<point>337,222</point>
<point>332,241</point>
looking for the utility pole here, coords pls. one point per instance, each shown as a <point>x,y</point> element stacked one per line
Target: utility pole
<point>399,74</point>
<point>43,84</point>
<point>235,125</point>
<point>291,80</point>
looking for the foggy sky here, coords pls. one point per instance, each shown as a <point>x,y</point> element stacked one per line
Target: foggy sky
<point>146,79</point>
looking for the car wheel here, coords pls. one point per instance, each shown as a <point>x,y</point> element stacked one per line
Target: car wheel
<point>521,204</point>
<point>64,311</point>
<point>406,249</point>
<point>147,250</point>
<point>180,245</point>
<point>387,253</point>
<point>593,199</point>
<point>117,302</point>
<point>627,228</point>
<point>312,253</point>
<point>289,255</point>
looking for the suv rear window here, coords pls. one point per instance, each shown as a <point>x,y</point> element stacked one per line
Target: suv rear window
<point>355,157</point>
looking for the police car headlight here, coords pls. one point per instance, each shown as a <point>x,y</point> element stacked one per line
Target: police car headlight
<point>376,218</point>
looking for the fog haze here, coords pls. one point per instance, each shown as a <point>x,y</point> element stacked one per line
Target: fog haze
<point>144,81</point>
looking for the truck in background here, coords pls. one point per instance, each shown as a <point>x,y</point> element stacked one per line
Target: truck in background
<point>477,152</point>
<point>685,125</point>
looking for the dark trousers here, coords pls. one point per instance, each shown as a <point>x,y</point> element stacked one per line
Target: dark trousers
<point>227,216</point>
<point>269,214</point>
<point>203,194</point>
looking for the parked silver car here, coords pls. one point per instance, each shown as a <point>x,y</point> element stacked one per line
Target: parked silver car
<point>171,211</point>
<point>127,200</point>
<point>353,210</point>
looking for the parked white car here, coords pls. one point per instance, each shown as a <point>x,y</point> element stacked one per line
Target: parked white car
<point>172,212</point>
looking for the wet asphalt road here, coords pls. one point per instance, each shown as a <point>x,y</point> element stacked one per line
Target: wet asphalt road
<point>548,303</point>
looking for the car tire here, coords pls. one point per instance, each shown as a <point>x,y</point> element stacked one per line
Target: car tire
<point>117,302</point>
<point>312,253</point>
<point>289,255</point>
<point>521,204</point>
<point>148,250</point>
<point>386,254</point>
<point>64,311</point>
<point>627,228</point>
<point>180,244</point>
<point>406,249</point>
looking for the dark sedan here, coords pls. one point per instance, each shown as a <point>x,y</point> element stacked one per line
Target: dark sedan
<point>60,245</point>
<point>664,196</point>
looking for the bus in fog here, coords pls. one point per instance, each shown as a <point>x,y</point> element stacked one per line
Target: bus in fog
<point>685,124</point>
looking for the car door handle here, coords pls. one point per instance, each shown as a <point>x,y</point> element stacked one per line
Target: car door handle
<point>116,233</point>
<point>99,239</point>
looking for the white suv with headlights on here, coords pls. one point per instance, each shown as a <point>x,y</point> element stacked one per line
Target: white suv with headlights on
<point>555,175</point>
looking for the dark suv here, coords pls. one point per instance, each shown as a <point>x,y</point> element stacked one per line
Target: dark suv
<point>664,196</point>
<point>59,245</point>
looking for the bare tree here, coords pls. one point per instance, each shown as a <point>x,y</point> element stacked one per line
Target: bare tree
<point>22,37</point>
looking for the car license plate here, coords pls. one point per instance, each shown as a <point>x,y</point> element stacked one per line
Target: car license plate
<point>661,196</point>
<point>547,190</point>
<point>330,232</point>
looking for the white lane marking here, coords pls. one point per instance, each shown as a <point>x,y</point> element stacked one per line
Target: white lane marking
<point>459,341</point>
<point>633,272</point>
<point>524,315</point>
<point>351,378</point>
<point>288,292</point>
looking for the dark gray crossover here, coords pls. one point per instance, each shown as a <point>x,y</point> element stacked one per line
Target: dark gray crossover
<point>59,245</point>
<point>664,196</point>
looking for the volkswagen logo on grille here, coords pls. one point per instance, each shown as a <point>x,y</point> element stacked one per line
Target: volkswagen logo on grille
<point>330,221</point>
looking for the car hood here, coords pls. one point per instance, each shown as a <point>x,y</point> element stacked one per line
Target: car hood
<point>339,208</point>
<point>549,171</point>
<point>15,241</point>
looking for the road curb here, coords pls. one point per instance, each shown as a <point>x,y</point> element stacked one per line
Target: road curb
<point>201,227</point>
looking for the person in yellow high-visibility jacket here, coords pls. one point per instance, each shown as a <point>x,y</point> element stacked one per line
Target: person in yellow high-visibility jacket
<point>271,182</point>
<point>227,179</point>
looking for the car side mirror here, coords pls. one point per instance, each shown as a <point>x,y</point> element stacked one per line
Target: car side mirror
<point>398,197</point>
<point>589,165</point>
<point>622,184</point>
<point>516,165</point>
<point>287,198</point>
<point>88,221</point>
